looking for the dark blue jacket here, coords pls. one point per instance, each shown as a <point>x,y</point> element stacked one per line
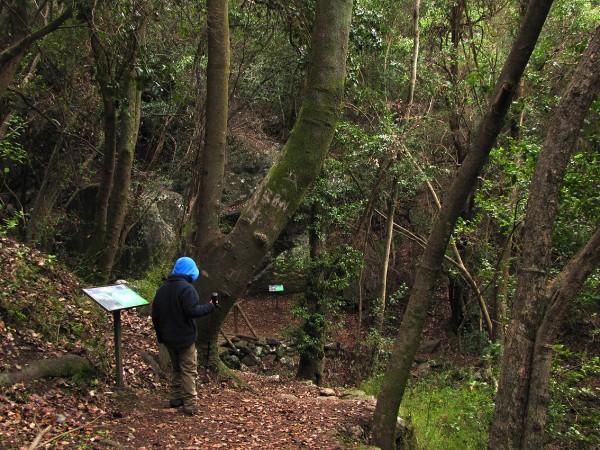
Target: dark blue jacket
<point>174,309</point>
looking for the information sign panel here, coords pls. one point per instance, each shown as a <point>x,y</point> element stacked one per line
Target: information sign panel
<point>113,298</point>
<point>275,288</point>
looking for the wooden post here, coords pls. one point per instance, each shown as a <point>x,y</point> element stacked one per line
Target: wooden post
<point>118,347</point>
<point>235,321</point>
<point>228,340</point>
<point>246,320</point>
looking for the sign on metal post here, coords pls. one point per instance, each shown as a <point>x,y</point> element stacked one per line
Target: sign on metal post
<point>115,299</point>
<point>276,288</point>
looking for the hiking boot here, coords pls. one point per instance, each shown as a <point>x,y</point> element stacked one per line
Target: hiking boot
<point>189,411</point>
<point>175,403</point>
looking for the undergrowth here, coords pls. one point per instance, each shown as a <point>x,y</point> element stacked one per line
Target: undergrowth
<point>450,410</point>
<point>43,299</point>
<point>573,413</point>
<point>453,409</point>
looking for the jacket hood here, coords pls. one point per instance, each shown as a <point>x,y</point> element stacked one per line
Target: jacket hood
<point>186,266</point>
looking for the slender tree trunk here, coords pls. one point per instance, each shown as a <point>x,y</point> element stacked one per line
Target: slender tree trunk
<point>510,425</point>
<point>501,303</point>
<point>428,268</point>
<point>560,296</point>
<point>415,56</point>
<point>229,264</point>
<point>107,85</point>
<point>212,163</point>
<point>22,39</point>
<point>312,351</point>
<point>380,302</point>
<point>129,121</point>
<point>49,190</point>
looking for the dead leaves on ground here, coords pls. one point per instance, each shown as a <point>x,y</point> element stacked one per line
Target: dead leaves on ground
<point>72,414</point>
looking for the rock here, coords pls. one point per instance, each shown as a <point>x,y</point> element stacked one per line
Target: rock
<point>326,392</point>
<point>154,234</point>
<point>250,360</point>
<point>353,394</point>
<point>273,342</point>
<point>430,346</point>
<point>232,361</point>
<point>241,344</point>
<point>324,398</point>
<point>288,397</point>
<point>423,367</point>
<point>356,430</point>
<point>405,434</point>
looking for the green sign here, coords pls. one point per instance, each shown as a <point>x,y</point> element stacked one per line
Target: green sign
<point>114,298</point>
<point>275,288</point>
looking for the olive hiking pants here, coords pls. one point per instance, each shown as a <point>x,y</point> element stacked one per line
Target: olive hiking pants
<point>185,371</point>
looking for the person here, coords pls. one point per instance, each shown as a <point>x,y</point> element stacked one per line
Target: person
<point>174,310</point>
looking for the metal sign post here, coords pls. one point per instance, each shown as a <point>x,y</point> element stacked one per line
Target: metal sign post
<point>276,288</point>
<point>115,299</point>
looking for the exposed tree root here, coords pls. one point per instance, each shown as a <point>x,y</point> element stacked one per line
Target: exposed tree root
<point>65,366</point>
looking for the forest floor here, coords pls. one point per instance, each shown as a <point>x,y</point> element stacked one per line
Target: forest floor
<point>273,411</point>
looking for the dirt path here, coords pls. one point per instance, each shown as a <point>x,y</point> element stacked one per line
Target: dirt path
<point>272,415</point>
<point>276,412</point>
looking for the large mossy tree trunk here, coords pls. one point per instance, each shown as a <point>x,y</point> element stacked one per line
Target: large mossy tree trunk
<point>212,161</point>
<point>522,398</point>
<point>232,260</point>
<point>428,268</point>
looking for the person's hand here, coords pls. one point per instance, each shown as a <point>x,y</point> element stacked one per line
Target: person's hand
<point>214,299</point>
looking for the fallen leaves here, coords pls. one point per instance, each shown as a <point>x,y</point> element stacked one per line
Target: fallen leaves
<point>64,414</point>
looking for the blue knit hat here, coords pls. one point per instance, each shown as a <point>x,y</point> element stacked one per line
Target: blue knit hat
<point>186,266</point>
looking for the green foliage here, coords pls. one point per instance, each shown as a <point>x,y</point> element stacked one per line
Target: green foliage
<point>579,210</point>
<point>329,270</point>
<point>573,414</point>
<point>11,222</point>
<point>153,277</point>
<point>394,298</point>
<point>11,150</point>
<point>12,154</point>
<point>318,309</point>
<point>449,415</point>
<point>450,410</point>
<point>371,357</point>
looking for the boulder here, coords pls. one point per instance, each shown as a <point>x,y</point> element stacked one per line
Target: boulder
<point>429,346</point>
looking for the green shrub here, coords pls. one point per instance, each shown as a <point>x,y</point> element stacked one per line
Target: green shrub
<point>445,413</point>
<point>448,415</point>
<point>573,413</point>
<point>153,278</point>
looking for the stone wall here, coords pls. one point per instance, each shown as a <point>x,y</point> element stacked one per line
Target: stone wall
<point>261,354</point>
